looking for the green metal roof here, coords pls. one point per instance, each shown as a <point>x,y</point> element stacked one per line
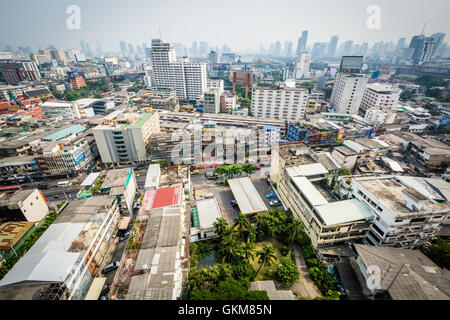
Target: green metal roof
<point>140,122</point>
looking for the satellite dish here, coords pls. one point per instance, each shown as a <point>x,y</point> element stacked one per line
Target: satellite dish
<point>364,66</point>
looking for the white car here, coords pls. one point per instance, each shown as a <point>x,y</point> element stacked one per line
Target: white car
<point>274,203</point>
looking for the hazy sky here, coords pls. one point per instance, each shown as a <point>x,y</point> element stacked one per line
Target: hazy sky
<point>241,24</point>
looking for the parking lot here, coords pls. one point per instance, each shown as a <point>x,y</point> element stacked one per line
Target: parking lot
<point>224,195</point>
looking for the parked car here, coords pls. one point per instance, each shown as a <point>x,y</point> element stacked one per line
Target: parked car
<point>274,203</point>
<point>234,203</point>
<point>271,196</point>
<point>258,168</point>
<point>209,196</point>
<point>214,165</point>
<point>195,172</point>
<point>194,167</point>
<point>110,267</point>
<point>202,167</point>
<point>105,290</point>
<point>125,236</point>
<point>103,298</point>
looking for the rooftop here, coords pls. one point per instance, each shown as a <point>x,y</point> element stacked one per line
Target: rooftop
<point>246,195</point>
<point>406,274</point>
<point>116,178</point>
<point>344,212</point>
<point>65,132</point>
<point>208,213</point>
<point>12,232</point>
<point>307,170</point>
<point>163,197</point>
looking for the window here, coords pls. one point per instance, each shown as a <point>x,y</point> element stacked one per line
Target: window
<point>418,220</point>
<point>377,229</point>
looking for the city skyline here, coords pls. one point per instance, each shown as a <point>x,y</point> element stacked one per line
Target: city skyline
<point>320,23</point>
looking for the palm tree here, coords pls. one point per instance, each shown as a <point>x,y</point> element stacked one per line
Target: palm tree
<point>266,256</point>
<point>220,226</point>
<point>247,249</point>
<point>295,229</point>
<point>228,248</point>
<point>241,223</point>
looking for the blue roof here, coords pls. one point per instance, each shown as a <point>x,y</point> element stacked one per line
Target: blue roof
<point>65,132</point>
<point>271,128</point>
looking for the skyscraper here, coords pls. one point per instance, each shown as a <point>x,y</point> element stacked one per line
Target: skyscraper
<point>303,63</point>
<point>315,53</point>
<point>438,38</point>
<point>288,48</point>
<point>194,49</point>
<point>83,48</point>
<point>277,49</point>
<point>348,45</point>
<point>301,44</point>
<point>332,46</point>
<point>130,48</point>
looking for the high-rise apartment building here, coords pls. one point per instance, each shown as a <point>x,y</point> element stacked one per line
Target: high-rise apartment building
<point>186,77</point>
<point>279,102</point>
<point>349,86</point>
<point>378,95</point>
<point>303,63</point>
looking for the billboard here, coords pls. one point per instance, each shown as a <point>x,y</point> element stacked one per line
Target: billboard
<point>352,63</point>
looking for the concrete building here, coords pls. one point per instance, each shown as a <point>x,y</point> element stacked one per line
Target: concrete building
<point>216,83</point>
<point>152,177</point>
<point>122,184</point>
<point>378,95</point>
<point>124,137</point>
<point>403,274</point>
<point>327,220</point>
<point>211,100</point>
<point>65,259</point>
<point>279,102</point>
<point>65,110</point>
<point>23,205</point>
<point>407,210</point>
<point>187,78</point>
<point>303,63</point>
<point>348,91</point>
<point>12,236</point>
<point>206,213</point>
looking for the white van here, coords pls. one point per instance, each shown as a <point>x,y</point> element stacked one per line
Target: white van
<point>64,184</point>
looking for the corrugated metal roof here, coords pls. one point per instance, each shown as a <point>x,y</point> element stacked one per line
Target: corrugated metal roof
<point>344,212</point>
<point>247,196</point>
<point>208,213</point>
<point>307,170</point>
<point>309,191</point>
<point>152,178</point>
<point>65,132</point>
<point>90,179</point>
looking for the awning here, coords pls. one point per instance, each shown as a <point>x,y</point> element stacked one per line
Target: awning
<point>95,289</point>
<point>195,217</point>
<point>124,222</point>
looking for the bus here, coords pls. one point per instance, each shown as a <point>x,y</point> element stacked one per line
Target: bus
<point>64,184</point>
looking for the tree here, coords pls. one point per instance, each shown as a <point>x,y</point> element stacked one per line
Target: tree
<point>249,168</point>
<point>434,93</point>
<point>98,96</point>
<point>236,169</point>
<point>287,272</point>
<point>439,252</point>
<point>241,223</point>
<point>295,229</point>
<point>266,256</point>
<point>247,249</point>
<point>228,249</point>
<point>219,226</point>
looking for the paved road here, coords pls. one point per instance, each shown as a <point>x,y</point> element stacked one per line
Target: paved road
<point>50,194</point>
<point>305,286</point>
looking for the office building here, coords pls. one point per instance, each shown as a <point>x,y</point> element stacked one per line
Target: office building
<point>332,46</point>
<point>23,205</point>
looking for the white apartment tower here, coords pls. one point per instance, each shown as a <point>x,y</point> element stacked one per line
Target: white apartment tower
<point>378,95</point>
<point>348,90</point>
<point>279,102</point>
<point>303,63</point>
<point>186,77</point>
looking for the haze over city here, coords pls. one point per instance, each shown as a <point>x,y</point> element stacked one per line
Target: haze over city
<point>242,25</point>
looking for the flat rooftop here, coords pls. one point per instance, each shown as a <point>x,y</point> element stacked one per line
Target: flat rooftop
<point>390,192</point>
<point>345,211</point>
<point>116,178</point>
<point>163,197</point>
<point>307,170</point>
<point>246,195</point>
<point>208,213</point>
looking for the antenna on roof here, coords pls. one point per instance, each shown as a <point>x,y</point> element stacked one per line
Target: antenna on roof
<point>423,30</point>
